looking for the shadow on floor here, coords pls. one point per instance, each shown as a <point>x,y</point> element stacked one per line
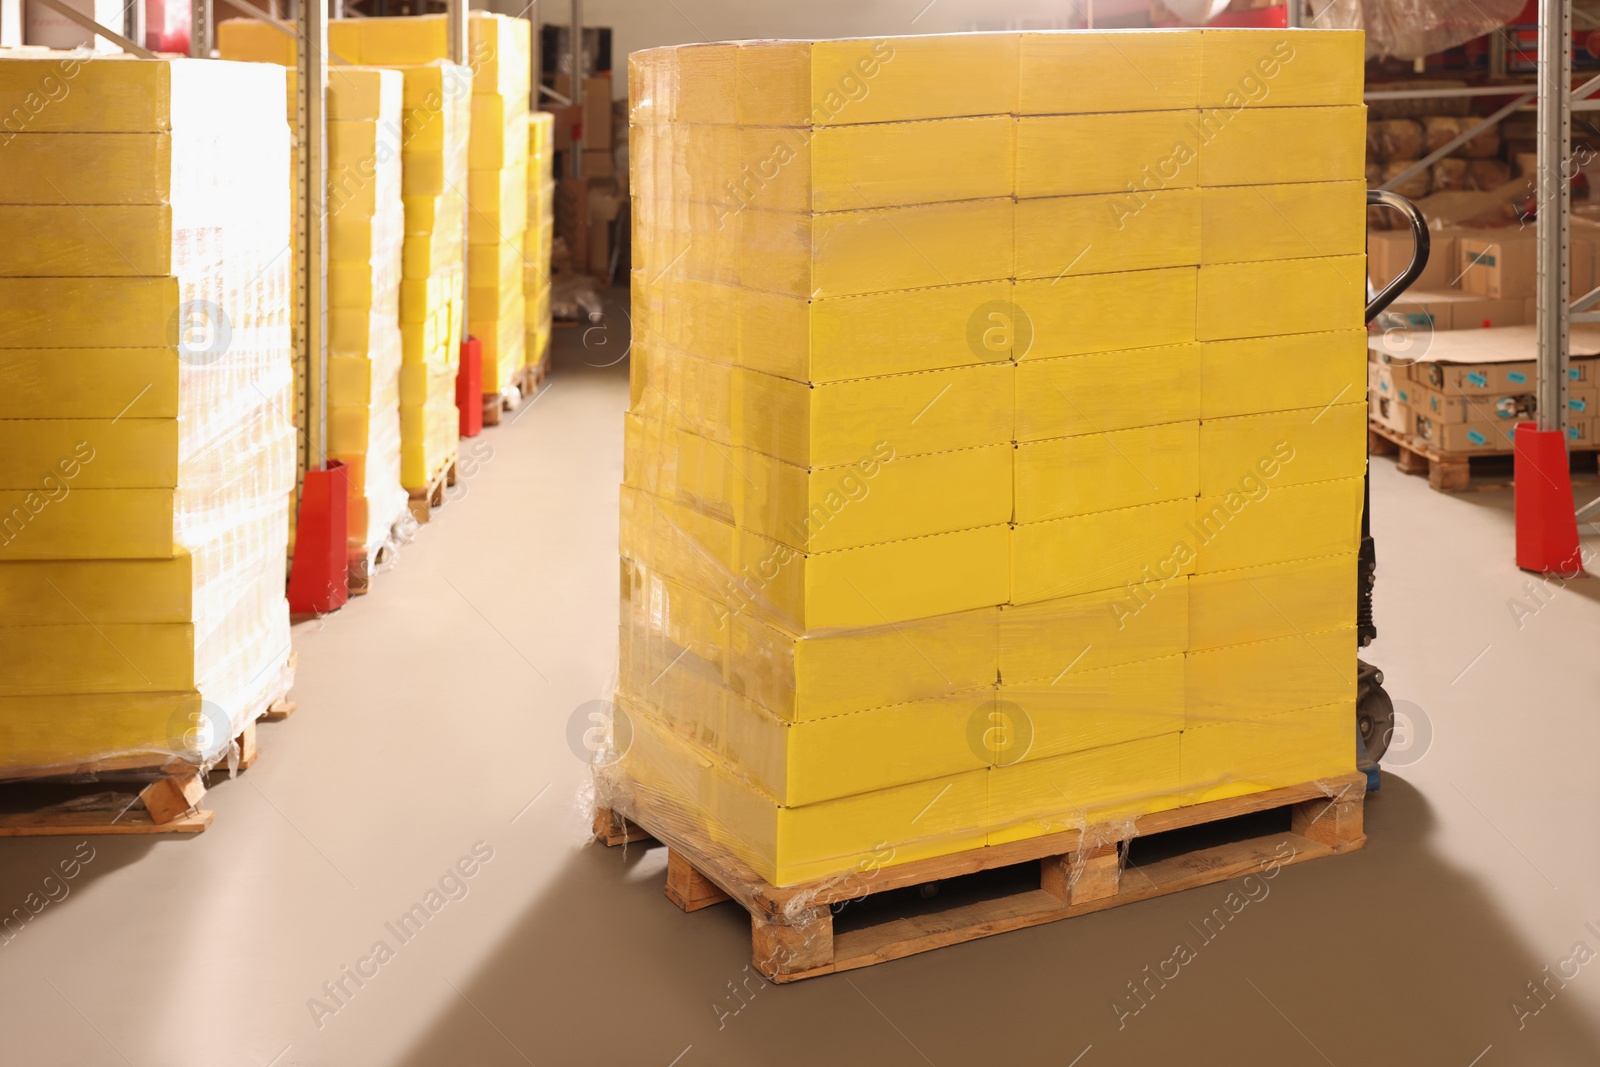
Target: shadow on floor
<point>1391,955</point>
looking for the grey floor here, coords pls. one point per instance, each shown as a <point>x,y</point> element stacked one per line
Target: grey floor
<point>433,727</point>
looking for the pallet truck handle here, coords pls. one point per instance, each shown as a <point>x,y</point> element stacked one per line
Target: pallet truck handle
<point>1419,254</point>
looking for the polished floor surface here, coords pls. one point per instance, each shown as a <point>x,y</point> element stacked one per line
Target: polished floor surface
<point>432,738</point>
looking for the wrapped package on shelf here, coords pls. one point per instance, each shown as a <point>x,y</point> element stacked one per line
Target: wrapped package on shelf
<point>148,451</point>
<point>539,237</point>
<point>971,492</point>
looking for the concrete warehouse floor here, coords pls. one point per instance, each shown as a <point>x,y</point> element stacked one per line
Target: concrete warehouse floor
<point>433,726</point>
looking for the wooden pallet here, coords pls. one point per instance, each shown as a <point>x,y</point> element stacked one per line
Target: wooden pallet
<point>423,501</point>
<point>63,813</point>
<point>524,385</point>
<point>1453,472</point>
<point>952,898</point>
<point>363,567</point>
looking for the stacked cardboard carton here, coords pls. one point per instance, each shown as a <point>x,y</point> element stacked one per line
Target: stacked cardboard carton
<point>146,453</point>
<point>972,491</point>
<point>1469,390</point>
<point>540,235</point>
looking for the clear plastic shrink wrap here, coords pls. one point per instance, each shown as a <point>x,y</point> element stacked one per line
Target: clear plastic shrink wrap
<point>993,461</point>
<point>146,452</point>
<point>1414,29</point>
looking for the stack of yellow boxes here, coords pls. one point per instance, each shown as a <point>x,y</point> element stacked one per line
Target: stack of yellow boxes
<point>433,163</point>
<point>366,234</point>
<point>146,453</point>
<point>993,463</point>
<point>540,234</point>
<point>497,195</point>
<point>490,184</point>
<point>431,132</point>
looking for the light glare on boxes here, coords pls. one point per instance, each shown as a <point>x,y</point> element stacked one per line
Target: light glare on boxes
<point>147,460</point>
<point>1005,374</point>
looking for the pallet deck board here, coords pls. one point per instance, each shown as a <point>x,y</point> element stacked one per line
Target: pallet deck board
<point>111,813</point>
<point>792,927</point>
<point>1451,472</point>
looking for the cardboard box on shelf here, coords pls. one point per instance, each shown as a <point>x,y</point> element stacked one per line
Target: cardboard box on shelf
<point>597,130</point>
<point>1389,251</point>
<point>1501,408</point>
<point>1500,265</point>
<point>598,163</point>
<point>1480,436</point>
<point>1452,310</point>
<point>1389,411</point>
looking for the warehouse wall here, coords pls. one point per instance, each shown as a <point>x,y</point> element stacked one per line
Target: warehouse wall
<point>640,24</point>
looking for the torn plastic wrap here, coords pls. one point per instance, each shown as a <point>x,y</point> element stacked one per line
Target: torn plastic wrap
<point>972,490</point>
<point>148,438</point>
<point>1414,29</point>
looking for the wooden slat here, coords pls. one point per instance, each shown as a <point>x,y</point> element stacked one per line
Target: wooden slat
<point>898,938</point>
<point>109,814</point>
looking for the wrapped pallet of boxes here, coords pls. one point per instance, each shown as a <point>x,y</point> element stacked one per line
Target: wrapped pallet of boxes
<point>497,197</point>
<point>432,132</point>
<point>433,164</point>
<point>540,236</point>
<point>365,227</point>
<point>366,235</point>
<point>146,453</point>
<point>994,458</point>
<point>494,183</point>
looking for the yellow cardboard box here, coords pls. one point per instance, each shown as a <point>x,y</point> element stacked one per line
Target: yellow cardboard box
<point>1103,391</point>
<point>1109,312</point>
<point>1127,153</point>
<point>1271,145</point>
<point>1067,476</point>
<point>826,759</point>
<point>1312,296</point>
<point>1278,600</point>
<point>789,845</point>
<point>1113,784</point>
<point>89,453</point>
<point>849,253</point>
<point>1089,709</point>
<point>1304,445</point>
<point>1258,524</point>
<point>89,383</point>
<point>1277,68</point>
<point>1242,377</point>
<point>1064,235</point>
<point>1043,643</point>
<point>1247,681</point>
<point>1243,223</point>
<point>1106,550</point>
<point>94,240</point>
<point>1233,759</point>
<point>1108,70</point>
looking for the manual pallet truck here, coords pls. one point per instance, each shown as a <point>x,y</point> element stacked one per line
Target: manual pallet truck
<point>1374,709</point>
